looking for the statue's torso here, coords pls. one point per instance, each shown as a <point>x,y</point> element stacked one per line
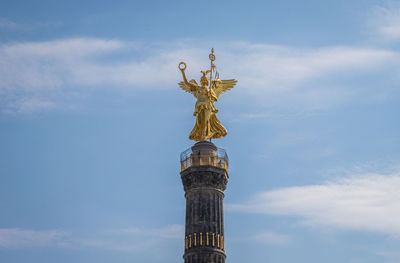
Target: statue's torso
<point>204,100</point>
<point>202,94</point>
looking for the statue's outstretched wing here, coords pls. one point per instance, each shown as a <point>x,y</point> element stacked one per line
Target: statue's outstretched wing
<point>189,88</point>
<point>220,86</point>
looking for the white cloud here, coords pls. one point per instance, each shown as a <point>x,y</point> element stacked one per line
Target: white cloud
<point>128,239</point>
<point>170,231</point>
<point>25,105</point>
<point>47,74</point>
<point>273,68</point>
<point>132,239</point>
<point>370,202</point>
<point>386,21</point>
<point>273,238</point>
<point>10,25</point>
<point>22,238</point>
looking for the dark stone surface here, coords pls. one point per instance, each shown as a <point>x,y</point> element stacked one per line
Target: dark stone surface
<point>203,256</point>
<point>204,229</point>
<point>204,176</point>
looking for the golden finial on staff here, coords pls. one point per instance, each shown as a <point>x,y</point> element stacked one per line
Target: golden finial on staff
<point>212,58</point>
<point>207,125</point>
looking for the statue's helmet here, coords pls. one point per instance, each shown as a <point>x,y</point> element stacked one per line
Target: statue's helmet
<point>204,79</point>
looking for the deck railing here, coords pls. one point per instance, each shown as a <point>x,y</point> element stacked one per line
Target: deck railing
<point>218,159</point>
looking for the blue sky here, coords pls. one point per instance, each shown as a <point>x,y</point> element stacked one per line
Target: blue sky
<point>92,123</point>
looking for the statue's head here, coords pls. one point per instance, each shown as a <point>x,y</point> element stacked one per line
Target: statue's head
<point>204,80</point>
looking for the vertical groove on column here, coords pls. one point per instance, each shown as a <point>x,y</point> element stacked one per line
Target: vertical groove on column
<point>221,219</point>
<point>209,226</point>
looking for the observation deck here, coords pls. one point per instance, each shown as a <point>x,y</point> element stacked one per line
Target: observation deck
<point>204,153</point>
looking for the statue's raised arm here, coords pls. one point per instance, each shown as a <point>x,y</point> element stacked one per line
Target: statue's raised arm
<point>187,86</point>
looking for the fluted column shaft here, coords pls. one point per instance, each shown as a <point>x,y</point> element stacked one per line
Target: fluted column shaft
<point>204,228</point>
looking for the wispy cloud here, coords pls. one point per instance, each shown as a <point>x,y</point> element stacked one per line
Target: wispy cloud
<point>22,238</point>
<point>126,240</point>
<point>44,75</point>
<point>272,238</point>
<point>7,24</point>
<point>369,202</point>
<point>171,231</point>
<point>132,239</point>
<point>265,238</point>
<point>276,68</point>
<point>386,21</point>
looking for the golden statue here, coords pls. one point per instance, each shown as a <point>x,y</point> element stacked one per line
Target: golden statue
<point>207,125</point>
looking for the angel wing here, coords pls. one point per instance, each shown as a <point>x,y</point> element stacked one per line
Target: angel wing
<point>220,86</point>
<point>189,88</point>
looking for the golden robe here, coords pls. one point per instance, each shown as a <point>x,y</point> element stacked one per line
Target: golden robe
<point>207,124</point>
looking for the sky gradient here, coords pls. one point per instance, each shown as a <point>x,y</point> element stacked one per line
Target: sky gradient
<point>92,123</point>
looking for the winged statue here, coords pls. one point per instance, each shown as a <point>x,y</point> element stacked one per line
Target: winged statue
<point>207,125</point>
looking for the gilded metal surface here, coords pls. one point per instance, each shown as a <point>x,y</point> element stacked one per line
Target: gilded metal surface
<point>207,125</point>
<point>204,159</point>
<point>217,241</point>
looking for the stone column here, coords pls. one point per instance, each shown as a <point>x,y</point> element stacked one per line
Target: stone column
<point>204,183</point>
